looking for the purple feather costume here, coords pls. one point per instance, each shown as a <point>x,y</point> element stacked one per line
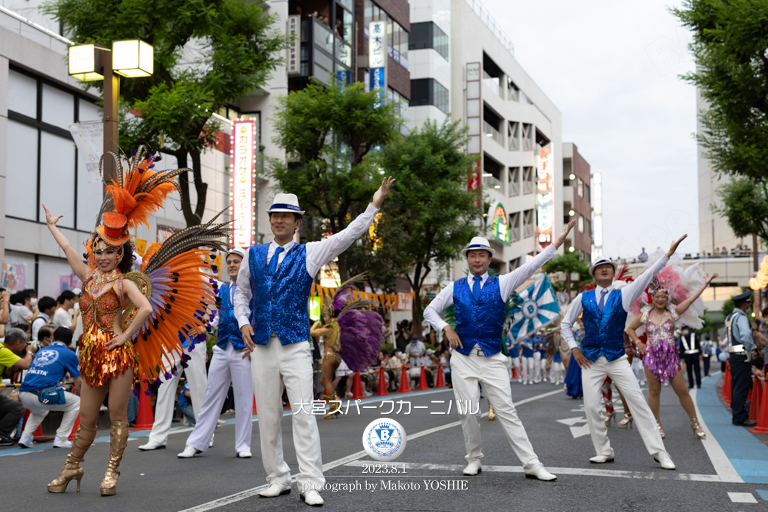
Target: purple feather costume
<point>360,333</point>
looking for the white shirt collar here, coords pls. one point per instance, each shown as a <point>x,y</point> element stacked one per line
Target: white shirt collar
<point>471,278</point>
<point>599,289</point>
<point>287,247</point>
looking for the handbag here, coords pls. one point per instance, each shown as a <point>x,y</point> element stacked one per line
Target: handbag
<point>53,395</point>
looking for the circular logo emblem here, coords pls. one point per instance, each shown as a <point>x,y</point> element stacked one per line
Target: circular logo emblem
<point>46,357</point>
<point>384,439</point>
<point>530,309</point>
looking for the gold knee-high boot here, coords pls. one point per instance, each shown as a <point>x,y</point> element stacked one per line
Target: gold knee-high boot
<point>491,413</point>
<point>118,439</point>
<point>334,404</point>
<point>72,469</point>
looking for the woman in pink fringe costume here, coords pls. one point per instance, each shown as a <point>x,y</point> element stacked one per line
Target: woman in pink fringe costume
<point>351,332</point>
<point>659,318</point>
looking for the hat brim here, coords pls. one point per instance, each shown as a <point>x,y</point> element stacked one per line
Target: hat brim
<point>286,210</point>
<point>489,249</point>
<point>236,253</point>
<point>111,241</point>
<point>594,267</point>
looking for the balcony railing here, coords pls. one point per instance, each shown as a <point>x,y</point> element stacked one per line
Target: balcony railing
<point>491,132</point>
<point>492,82</point>
<point>491,181</point>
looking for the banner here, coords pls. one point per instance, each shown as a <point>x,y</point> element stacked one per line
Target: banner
<point>14,276</point>
<point>539,308</point>
<point>89,138</point>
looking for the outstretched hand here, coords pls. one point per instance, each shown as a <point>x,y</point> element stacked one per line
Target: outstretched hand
<point>711,278</point>
<point>378,197</point>
<point>674,245</point>
<point>51,219</point>
<point>566,229</point>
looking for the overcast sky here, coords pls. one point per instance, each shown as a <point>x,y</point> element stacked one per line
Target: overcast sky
<point>612,68</point>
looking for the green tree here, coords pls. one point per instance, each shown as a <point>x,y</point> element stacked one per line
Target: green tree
<point>206,53</point>
<point>569,263</point>
<point>328,134</point>
<point>745,206</point>
<point>429,216</point>
<point>729,45</point>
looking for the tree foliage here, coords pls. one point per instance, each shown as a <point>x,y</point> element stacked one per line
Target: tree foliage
<point>569,263</point>
<point>206,53</point>
<point>745,205</point>
<point>429,216</point>
<point>328,135</point>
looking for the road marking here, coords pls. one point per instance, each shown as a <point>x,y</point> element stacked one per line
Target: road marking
<point>715,452</point>
<point>572,421</point>
<point>661,474</point>
<point>249,493</point>
<point>577,432</point>
<point>742,497</point>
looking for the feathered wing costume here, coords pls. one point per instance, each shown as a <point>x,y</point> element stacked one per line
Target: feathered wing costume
<point>174,275</point>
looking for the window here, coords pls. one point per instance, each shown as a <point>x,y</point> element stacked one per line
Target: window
<point>514,227</point>
<point>514,182</point>
<point>528,224</point>
<point>527,180</point>
<point>45,168</point>
<point>580,187</point>
<point>586,193</point>
<point>513,135</point>
<point>397,36</point>
<point>581,223</point>
<point>513,91</point>
<point>401,105</point>
<point>588,227</point>
<point>428,91</point>
<point>527,137</point>
<point>428,35</point>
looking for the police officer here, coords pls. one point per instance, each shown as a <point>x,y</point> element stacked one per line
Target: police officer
<point>741,343</point>
<point>690,349</point>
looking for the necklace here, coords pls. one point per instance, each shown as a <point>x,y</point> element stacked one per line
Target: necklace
<point>660,317</point>
<point>100,279</point>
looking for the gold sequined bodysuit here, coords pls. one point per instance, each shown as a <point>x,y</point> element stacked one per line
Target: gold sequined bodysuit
<point>97,363</point>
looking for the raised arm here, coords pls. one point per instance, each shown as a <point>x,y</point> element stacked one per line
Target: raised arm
<point>683,306</point>
<point>566,326</point>
<point>80,269</point>
<point>509,282</point>
<point>631,292</point>
<point>320,253</point>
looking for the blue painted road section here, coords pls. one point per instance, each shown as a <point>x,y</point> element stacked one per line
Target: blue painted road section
<point>748,455</point>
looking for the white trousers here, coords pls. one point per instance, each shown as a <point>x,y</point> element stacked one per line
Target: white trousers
<point>529,364</point>
<point>166,394</point>
<point>516,365</point>
<point>619,371</point>
<point>537,366</point>
<point>227,365</point>
<point>271,366</point>
<point>38,412</point>
<point>557,372</point>
<point>491,372</point>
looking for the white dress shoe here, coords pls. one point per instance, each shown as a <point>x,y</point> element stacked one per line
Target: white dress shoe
<point>25,441</point>
<point>473,468</point>
<point>244,455</point>
<point>210,445</point>
<point>152,445</point>
<point>59,442</point>
<point>189,452</point>
<point>538,471</point>
<point>602,459</point>
<point>312,498</point>
<point>665,460</point>
<point>275,490</point>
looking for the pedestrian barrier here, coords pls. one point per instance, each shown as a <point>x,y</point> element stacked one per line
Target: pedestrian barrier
<point>357,388</point>
<point>382,391</point>
<point>762,422</point>
<point>145,418</point>
<point>440,382</point>
<point>754,407</point>
<point>423,381</point>
<point>404,388</point>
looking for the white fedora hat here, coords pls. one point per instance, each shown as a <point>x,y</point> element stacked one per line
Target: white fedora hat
<point>602,261</point>
<point>285,203</point>
<point>237,251</point>
<point>479,243</point>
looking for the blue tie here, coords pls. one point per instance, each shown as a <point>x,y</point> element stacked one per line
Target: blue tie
<point>601,304</point>
<point>273,261</point>
<point>476,287</point>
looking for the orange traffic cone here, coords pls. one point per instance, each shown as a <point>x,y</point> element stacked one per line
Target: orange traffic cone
<point>382,382</point>
<point>74,428</point>
<point>727,386</point>
<point>145,418</point>
<point>762,422</point>
<point>440,379</point>
<point>254,405</point>
<point>514,373</point>
<point>357,387</point>
<point>754,407</point>
<point>404,387</point>
<point>422,381</point>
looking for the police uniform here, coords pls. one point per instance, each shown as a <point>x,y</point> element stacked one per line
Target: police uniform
<point>740,346</point>
<point>690,348</point>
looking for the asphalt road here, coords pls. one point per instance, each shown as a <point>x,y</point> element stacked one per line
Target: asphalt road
<point>434,456</point>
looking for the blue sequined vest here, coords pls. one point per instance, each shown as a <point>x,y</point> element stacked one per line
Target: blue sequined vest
<point>604,331</point>
<point>279,302</point>
<point>479,322</point>
<point>228,331</point>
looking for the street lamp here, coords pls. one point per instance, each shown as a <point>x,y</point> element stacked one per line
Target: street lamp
<point>132,58</point>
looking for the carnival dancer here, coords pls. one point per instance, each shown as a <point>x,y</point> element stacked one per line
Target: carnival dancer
<point>479,303</point>
<point>526,357</point>
<point>130,319</point>
<point>230,362</point>
<point>604,352</point>
<point>514,355</point>
<point>573,385</point>
<point>660,356</point>
<point>557,370</point>
<point>279,276</point>
<point>351,332</point>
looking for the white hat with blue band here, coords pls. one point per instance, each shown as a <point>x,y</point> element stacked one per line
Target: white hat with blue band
<point>478,243</point>
<point>602,261</point>
<point>285,203</point>
<point>237,251</point>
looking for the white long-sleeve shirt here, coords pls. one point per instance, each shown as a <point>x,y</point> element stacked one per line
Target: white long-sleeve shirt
<point>629,294</point>
<point>318,254</point>
<point>507,284</point>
